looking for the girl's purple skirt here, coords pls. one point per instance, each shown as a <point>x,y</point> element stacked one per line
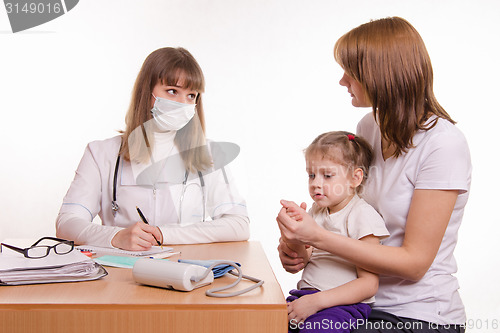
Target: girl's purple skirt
<point>341,319</point>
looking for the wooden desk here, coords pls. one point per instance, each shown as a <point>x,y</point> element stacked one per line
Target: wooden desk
<point>116,303</point>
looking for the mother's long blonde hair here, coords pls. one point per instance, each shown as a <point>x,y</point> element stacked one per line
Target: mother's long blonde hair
<point>169,66</point>
<point>388,57</point>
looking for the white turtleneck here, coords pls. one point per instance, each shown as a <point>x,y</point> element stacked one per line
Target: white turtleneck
<point>163,144</point>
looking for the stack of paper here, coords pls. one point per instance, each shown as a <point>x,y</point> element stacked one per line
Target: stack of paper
<point>15,269</point>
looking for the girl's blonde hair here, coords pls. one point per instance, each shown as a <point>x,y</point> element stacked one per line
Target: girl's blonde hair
<point>169,66</point>
<point>389,59</point>
<point>344,148</point>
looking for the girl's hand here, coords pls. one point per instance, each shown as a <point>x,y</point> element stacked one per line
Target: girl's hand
<point>294,213</point>
<point>305,230</point>
<point>302,308</point>
<point>137,237</point>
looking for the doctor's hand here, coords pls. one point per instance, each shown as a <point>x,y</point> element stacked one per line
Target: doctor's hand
<point>137,237</point>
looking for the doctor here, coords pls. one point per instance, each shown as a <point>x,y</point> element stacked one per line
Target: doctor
<point>162,164</point>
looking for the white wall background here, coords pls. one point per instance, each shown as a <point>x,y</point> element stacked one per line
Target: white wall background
<point>272,86</point>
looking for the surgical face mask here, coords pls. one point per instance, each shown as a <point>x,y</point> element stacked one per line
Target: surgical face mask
<point>170,115</point>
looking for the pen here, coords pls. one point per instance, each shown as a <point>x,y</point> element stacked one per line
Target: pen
<point>143,218</point>
<point>163,255</point>
<point>87,253</point>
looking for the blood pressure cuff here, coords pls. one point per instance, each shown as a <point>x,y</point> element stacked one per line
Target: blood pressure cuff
<point>218,270</point>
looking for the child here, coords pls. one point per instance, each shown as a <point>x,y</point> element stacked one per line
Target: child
<point>333,294</point>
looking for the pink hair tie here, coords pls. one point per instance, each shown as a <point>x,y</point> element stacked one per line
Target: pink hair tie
<point>351,137</point>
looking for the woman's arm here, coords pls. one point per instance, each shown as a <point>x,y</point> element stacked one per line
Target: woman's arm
<point>427,220</point>
<point>355,291</point>
<point>302,251</point>
<point>291,261</point>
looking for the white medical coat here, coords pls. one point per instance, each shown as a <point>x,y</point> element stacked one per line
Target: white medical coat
<point>91,191</point>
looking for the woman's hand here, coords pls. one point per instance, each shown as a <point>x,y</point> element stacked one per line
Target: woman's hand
<point>137,237</point>
<point>298,228</point>
<point>293,256</point>
<point>291,261</point>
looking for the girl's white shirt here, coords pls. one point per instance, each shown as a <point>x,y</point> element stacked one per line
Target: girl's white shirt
<point>91,191</point>
<point>356,220</point>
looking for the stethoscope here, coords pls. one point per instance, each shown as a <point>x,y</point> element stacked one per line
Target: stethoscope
<point>201,185</point>
<point>185,185</point>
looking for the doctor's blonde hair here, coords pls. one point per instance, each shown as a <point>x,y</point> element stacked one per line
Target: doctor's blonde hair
<point>169,66</point>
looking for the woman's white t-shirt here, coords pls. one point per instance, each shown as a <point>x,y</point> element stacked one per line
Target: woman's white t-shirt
<point>440,160</point>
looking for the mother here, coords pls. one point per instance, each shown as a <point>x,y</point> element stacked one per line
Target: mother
<point>419,182</point>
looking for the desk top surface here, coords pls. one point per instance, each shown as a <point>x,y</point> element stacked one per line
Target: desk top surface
<point>120,289</point>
